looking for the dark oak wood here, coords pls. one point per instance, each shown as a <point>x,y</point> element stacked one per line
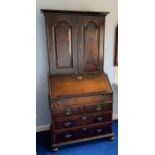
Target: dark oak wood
<point>90,43</point>
<point>75,41</point>
<point>98,107</point>
<point>80,94</point>
<point>82,120</point>
<point>73,122</point>
<point>62,45</point>
<point>84,140</point>
<point>73,12</point>
<point>71,85</point>
<point>83,132</point>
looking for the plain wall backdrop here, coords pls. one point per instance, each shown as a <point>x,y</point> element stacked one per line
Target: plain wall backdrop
<point>42,105</point>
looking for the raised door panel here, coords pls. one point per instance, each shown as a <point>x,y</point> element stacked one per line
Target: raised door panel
<point>90,43</point>
<point>62,44</point>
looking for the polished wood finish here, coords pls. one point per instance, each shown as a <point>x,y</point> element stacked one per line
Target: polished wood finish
<point>90,43</point>
<point>76,13</point>
<point>80,114</point>
<point>84,140</point>
<point>62,45</point>
<point>70,85</point>
<point>84,132</point>
<point>75,42</point>
<point>80,94</point>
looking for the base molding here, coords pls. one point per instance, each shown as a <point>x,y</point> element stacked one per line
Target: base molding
<point>83,140</point>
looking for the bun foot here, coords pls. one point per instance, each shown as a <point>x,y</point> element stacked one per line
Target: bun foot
<point>54,149</point>
<point>112,138</point>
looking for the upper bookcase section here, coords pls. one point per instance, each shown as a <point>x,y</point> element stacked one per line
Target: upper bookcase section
<point>75,41</point>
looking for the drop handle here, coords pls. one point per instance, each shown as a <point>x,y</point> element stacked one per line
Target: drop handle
<point>67,124</point>
<point>84,129</point>
<point>100,118</point>
<point>99,107</point>
<point>99,130</point>
<point>84,117</point>
<point>68,136</point>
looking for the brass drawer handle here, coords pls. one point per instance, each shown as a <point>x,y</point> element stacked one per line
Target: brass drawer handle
<point>99,107</point>
<point>99,130</point>
<point>68,112</point>
<point>84,129</point>
<point>100,118</point>
<point>67,124</point>
<point>68,136</point>
<point>84,117</point>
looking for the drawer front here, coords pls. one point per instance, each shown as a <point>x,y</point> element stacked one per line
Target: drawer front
<point>66,136</point>
<point>67,111</point>
<point>102,129</point>
<point>73,135</point>
<point>101,117</point>
<point>98,107</point>
<point>83,133</point>
<point>75,105</point>
<point>73,122</point>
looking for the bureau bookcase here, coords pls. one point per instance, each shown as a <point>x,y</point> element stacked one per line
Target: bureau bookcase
<point>80,94</point>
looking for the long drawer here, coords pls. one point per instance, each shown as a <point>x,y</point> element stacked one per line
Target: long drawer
<point>86,132</point>
<point>81,120</point>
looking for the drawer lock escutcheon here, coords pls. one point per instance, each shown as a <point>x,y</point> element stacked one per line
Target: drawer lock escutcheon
<point>99,130</point>
<point>100,118</point>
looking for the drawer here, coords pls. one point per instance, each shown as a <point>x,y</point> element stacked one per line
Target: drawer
<point>66,136</point>
<point>73,135</point>
<point>101,117</point>
<point>85,132</point>
<point>73,122</point>
<point>101,129</point>
<point>75,105</point>
<point>67,111</point>
<point>98,107</point>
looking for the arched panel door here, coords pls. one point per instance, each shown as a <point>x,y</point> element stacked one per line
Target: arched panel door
<point>90,43</point>
<point>62,44</point>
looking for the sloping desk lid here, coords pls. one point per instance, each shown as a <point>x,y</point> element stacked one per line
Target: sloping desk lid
<point>75,85</point>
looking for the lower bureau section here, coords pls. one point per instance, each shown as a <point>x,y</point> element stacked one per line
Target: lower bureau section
<point>82,133</point>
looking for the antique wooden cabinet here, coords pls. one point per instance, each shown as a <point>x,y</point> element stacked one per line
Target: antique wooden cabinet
<point>80,94</point>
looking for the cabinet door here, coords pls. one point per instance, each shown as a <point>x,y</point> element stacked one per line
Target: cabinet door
<point>90,43</point>
<point>62,43</point>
